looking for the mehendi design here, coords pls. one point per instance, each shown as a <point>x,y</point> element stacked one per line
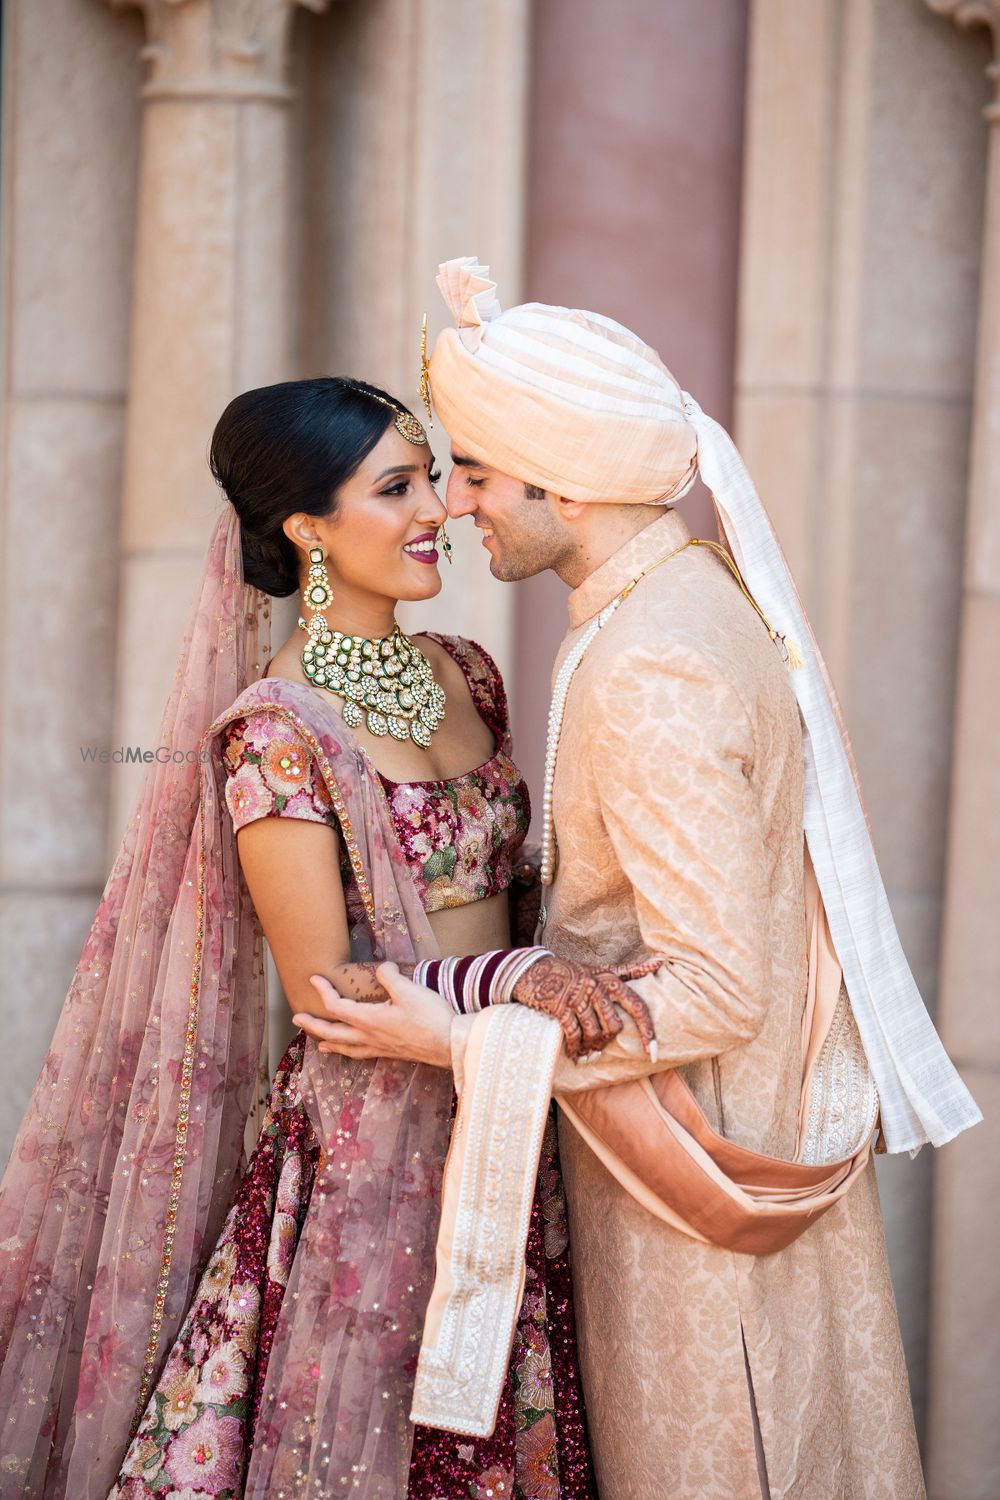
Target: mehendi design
<point>566,991</point>
<point>357,981</point>
<point>583,1001</point>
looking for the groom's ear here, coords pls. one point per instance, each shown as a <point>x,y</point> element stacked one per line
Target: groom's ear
<point>570,510</point>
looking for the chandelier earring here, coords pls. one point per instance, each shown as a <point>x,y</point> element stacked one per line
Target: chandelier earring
<point>318,596</point>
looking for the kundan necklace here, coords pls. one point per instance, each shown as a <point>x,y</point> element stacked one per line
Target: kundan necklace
<point>386,683</point>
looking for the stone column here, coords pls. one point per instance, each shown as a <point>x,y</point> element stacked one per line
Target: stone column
<point>627,216</point>
<point>69,139</point>
<point>963,1432</point>
<point>862,193</point>
<point>210,313</point>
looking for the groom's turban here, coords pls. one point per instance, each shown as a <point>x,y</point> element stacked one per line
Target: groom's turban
<point>566,400</point>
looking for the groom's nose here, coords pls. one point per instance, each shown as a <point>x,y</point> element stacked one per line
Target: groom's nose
<point>460,500</point>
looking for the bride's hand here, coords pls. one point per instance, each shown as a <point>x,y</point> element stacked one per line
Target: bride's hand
<point>412,1024</point>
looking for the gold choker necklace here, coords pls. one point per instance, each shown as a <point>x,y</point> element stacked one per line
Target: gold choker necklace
<point>386,683</point>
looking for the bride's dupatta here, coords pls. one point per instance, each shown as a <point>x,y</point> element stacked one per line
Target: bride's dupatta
<point>132,1144</point>
<point>334,1415</point>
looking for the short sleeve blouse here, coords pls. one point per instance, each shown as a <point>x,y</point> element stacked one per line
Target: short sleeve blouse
<point>460,836</point>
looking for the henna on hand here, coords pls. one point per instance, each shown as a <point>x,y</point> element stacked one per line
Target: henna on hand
<point>357,981</point>
<point>576,996</point>
<point>619,993</point>
<point>638,970</point>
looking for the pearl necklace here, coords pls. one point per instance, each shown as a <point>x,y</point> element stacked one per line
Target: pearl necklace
<point>790,655</point>
<point>557,711</point>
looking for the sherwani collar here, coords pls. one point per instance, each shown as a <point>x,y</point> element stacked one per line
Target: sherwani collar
<point>653,542</point>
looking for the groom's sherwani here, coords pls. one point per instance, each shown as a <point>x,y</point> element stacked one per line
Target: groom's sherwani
<point>678,813</point>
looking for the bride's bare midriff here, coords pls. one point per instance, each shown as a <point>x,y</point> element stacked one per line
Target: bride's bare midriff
<point>474,928</point>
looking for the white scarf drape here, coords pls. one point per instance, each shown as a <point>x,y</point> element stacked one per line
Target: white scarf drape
<point>923,1097</point>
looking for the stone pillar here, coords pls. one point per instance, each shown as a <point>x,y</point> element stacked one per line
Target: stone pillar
<point>963,1434</point>
<point>69,132</point>
<point>862,193</point>
<point>211,312</point>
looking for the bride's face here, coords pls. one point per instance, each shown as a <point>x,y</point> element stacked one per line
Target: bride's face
<point>381,538</point>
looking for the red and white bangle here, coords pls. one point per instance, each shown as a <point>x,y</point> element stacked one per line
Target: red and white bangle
<point>472,983</point>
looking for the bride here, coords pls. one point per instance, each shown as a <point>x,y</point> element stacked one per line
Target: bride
<point>175,1321</point>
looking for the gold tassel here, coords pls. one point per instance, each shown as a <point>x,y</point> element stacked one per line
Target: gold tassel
<point>795,657</point>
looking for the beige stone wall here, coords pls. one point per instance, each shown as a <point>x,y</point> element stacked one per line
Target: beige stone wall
<point>201,198</point>
<point>411,148</point>
<point>70,152</point>
<point>963,1436</point>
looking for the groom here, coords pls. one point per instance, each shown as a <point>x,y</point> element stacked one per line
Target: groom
<point>676,790</point>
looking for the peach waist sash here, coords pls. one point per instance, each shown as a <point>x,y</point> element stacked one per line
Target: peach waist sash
<point>655,1139</point>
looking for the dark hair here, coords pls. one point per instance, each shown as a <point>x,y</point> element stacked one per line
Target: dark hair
<point>287,448</point>
<point>533,492</point>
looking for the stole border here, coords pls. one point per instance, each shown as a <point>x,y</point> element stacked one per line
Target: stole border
<point>489,1184</point>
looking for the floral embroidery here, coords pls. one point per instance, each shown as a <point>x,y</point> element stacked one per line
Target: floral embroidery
<point>207,1454</point>
<point>271,773</point>
<point>284,765</point>
<point>247,797</point>
<point>459,837</point>
<point>196,1432</point>
<point>223,1377</point>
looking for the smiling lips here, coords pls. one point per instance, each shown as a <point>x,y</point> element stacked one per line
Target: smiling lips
<point>422,548</point>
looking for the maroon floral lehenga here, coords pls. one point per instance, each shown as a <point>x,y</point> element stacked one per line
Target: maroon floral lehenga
<point>213,1404</point>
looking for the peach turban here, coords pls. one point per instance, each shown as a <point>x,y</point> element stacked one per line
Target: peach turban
<point>578,405</point>
<point>566,400</point>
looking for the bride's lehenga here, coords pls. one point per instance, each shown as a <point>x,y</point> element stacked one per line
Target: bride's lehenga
<point>205,1415</point>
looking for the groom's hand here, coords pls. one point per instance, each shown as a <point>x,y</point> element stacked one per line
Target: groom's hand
<point>411,1024</point>
<point>583,1000</point>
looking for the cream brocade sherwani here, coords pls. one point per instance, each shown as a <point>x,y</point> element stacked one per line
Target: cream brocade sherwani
<point>678,812</point>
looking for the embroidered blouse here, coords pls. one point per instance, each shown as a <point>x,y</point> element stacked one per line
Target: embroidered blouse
<point>460,836</point>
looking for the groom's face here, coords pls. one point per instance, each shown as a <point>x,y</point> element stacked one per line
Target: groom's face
<point>521,526</point>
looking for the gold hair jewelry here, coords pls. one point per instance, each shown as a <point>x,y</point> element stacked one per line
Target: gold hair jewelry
<point>425,375</point>
<point>386,683</point>
<point>407,425</point>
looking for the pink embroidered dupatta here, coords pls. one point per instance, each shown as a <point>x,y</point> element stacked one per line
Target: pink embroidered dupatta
<point>130,1149</point>
<point>336,1403</point>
